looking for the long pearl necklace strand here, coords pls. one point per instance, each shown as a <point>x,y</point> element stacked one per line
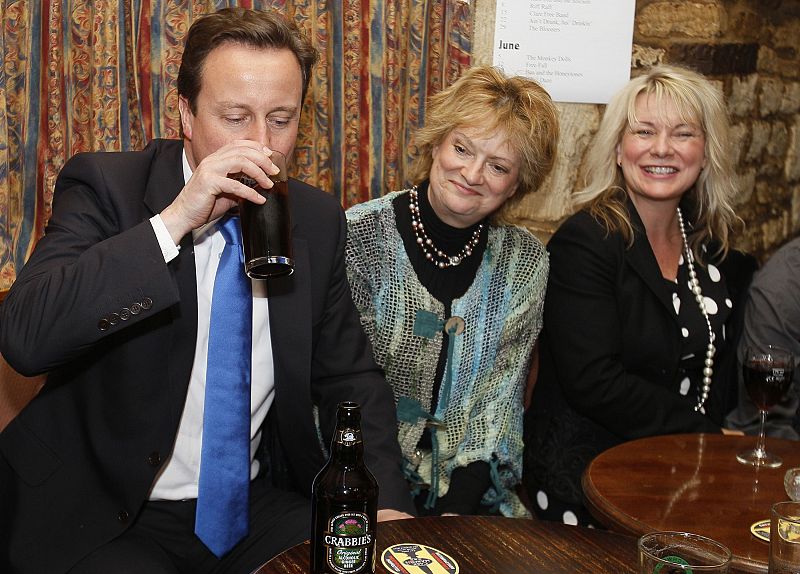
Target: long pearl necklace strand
<point>694,285</point>
<point>436,256</point>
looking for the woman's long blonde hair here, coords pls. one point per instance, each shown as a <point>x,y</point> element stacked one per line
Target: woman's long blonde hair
<point>697,101</point>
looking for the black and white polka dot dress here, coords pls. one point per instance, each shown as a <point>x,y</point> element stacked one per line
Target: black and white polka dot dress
<point>693,325</point>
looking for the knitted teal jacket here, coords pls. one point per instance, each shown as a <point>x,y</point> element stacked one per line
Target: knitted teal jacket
<point>502,311</point>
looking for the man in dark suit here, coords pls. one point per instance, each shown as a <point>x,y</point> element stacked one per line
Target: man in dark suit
<point>100,472</point>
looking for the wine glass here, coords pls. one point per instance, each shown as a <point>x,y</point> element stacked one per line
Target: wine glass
<point>767,374</point>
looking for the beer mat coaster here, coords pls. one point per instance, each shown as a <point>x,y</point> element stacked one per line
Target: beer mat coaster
<point>410,558</point>
<point>760,530</point>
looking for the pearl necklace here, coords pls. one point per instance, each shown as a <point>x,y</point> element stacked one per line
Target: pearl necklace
<point>436,256</point>
<point>694,285</point>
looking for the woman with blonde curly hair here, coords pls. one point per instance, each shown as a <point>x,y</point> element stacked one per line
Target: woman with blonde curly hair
<point>644,298</point>
<point>451,296</point>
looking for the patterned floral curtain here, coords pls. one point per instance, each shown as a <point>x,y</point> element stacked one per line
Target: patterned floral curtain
<point>84,75</point>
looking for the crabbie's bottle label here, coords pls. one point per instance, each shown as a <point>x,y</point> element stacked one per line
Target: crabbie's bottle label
<point>349,541</point>
<point>348,437</point>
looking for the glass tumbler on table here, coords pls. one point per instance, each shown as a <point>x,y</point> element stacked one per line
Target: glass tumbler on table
<point>682,553</point>
<point>767,375</point>
<point>784,538</point>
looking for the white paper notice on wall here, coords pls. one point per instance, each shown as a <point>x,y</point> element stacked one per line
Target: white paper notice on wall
<point>578,50</point>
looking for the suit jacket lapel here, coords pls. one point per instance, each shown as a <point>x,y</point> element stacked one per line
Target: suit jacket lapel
<point>290,322</point>
<point>290,310</point>
<point>643,261</point>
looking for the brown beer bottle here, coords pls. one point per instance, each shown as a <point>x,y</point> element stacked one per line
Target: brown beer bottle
<point>344,503</point>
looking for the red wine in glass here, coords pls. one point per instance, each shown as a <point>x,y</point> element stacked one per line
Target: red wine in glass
<point>767,373</point>
<point>765,383</point>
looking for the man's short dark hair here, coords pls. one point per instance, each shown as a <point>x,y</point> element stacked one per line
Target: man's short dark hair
<point>245,27</point>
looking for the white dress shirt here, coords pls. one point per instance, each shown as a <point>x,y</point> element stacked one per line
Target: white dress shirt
<point>179,476</point>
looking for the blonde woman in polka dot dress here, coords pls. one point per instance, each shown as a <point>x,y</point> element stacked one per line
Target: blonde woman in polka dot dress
<point>644,298</point>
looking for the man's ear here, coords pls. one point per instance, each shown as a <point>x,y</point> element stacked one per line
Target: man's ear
<point>187,117</point>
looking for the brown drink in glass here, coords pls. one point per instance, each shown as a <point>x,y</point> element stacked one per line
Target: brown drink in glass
<point>266,228</point>
<point>767,373</point>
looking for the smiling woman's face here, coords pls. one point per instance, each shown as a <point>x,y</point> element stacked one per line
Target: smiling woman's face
<point>661,155</point>
<point>472,175</point>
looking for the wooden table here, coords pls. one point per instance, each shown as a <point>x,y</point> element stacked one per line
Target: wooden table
<point>690,482</point>
<point>495,545</point>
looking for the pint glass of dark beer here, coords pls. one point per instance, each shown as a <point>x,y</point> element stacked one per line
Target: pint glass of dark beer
<point>266,229</point>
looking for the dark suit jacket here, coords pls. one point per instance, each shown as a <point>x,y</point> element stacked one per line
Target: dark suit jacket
<point>77,464</point>
<point>610,354</point>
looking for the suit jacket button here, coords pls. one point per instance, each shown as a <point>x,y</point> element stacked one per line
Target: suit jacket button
<point>154,459</point>
<point>125,314</point>
<point>103,324</point>
<point>147,302</point>
<point>136,308</point>
<point>123,516</point>
<point>113,318</point>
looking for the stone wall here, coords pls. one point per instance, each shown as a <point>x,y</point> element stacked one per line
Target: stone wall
<point>752,48</point>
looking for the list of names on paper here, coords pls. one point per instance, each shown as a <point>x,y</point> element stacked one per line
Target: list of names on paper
<point>579,50</point>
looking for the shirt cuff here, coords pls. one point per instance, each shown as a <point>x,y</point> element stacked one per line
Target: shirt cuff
<point>168,248</point>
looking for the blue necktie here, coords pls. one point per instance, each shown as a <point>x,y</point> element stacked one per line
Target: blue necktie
<point>224,487</point>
